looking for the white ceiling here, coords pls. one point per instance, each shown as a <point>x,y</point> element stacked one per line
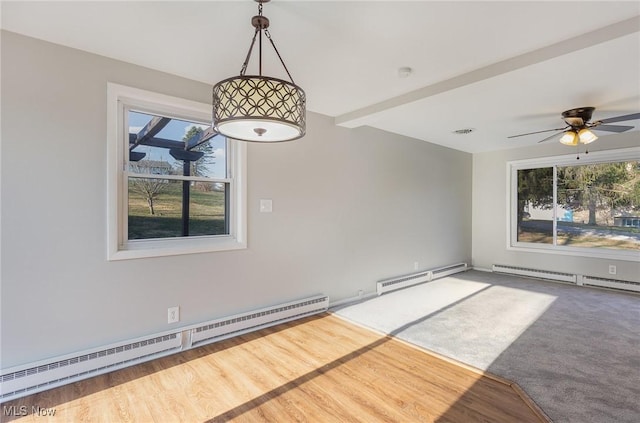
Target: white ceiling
<point>502,68</point>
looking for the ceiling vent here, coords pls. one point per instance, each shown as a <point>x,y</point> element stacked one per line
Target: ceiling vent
<point>464,131</point>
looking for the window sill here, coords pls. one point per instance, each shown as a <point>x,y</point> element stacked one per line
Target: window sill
<point>173,247</point>
<point>601,253</point>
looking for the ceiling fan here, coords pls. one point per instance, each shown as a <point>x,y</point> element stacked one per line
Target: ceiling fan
<point>579,125</point>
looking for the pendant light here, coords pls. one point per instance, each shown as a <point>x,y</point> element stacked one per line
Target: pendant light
<point>257,107</point>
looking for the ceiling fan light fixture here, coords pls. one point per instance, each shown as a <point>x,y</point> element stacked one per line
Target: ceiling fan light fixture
<point>569,138</point>
<point>586,136</point>
<point>256,107</point>
<point>578,126</point>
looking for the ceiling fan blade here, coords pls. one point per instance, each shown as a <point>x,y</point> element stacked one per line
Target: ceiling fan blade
<point>632,116</point>
<point>549,137</point>
<point>538,132</point>
<point>612,128</point>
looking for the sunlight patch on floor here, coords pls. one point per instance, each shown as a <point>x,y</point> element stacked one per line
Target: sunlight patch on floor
<point>472,321</point>
<point>486,325</point>
<point>390,311</point>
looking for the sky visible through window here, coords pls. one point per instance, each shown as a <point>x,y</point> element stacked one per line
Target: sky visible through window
<point>176,130</point>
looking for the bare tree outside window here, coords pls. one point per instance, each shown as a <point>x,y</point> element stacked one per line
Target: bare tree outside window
<point>149,189</point>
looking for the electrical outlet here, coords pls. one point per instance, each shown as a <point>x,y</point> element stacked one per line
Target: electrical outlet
<point>360,293</point>
<point>173,314</point>
<point>416,265</point>
<point>612,269</point>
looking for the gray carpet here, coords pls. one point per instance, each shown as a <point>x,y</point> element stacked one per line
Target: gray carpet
<point>574,350</point>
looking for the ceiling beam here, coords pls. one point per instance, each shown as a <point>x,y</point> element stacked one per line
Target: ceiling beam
<point>361,116</point>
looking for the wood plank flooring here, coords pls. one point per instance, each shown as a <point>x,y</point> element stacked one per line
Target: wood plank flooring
<point>319,369</point>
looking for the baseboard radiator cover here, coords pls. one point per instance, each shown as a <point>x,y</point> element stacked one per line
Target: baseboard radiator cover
<point>404,281</point>
<point>611,283</point>
<point>399,282</point>
<point>535,273</point>
<point>37,377</point>
<point>441,272</point>
<point>20,381</point>
<point>228,327</point>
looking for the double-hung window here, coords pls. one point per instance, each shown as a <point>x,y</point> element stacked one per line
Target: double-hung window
<point>585,207</point>
<point>175,185</point>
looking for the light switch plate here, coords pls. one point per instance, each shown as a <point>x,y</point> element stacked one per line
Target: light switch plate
<point>266,206</point>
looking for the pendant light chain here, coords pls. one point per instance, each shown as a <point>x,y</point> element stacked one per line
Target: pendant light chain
<point>260,50</point>
<point>260,42</point>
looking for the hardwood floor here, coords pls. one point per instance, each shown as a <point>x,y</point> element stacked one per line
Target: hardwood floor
<point>319,369</point>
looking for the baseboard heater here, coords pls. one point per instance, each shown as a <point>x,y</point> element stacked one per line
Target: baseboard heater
<point>568,277</point>
<point>36,377</point>
<point>441,272</point>
<point>399,282</point>
<point>247,322</point>
<point>611,283</point>
<point>535,273</point>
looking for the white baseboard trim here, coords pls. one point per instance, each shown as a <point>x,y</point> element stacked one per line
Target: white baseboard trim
<point>351,300</point>
<point>481,269</point>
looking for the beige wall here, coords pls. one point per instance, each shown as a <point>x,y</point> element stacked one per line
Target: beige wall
<point>350,207</point>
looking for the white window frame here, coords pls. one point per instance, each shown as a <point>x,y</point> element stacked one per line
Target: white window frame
<point>119,99</point>
<point>624,154</point>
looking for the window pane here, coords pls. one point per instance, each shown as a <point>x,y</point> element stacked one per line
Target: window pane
<point>535,205</point>
<point>207,209</point>
<point>217,165</point>
<point>596,203</point>
<point>206,160</point>
<point>156,208</point>
<point>175,143</point>
<point>149,160</point>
